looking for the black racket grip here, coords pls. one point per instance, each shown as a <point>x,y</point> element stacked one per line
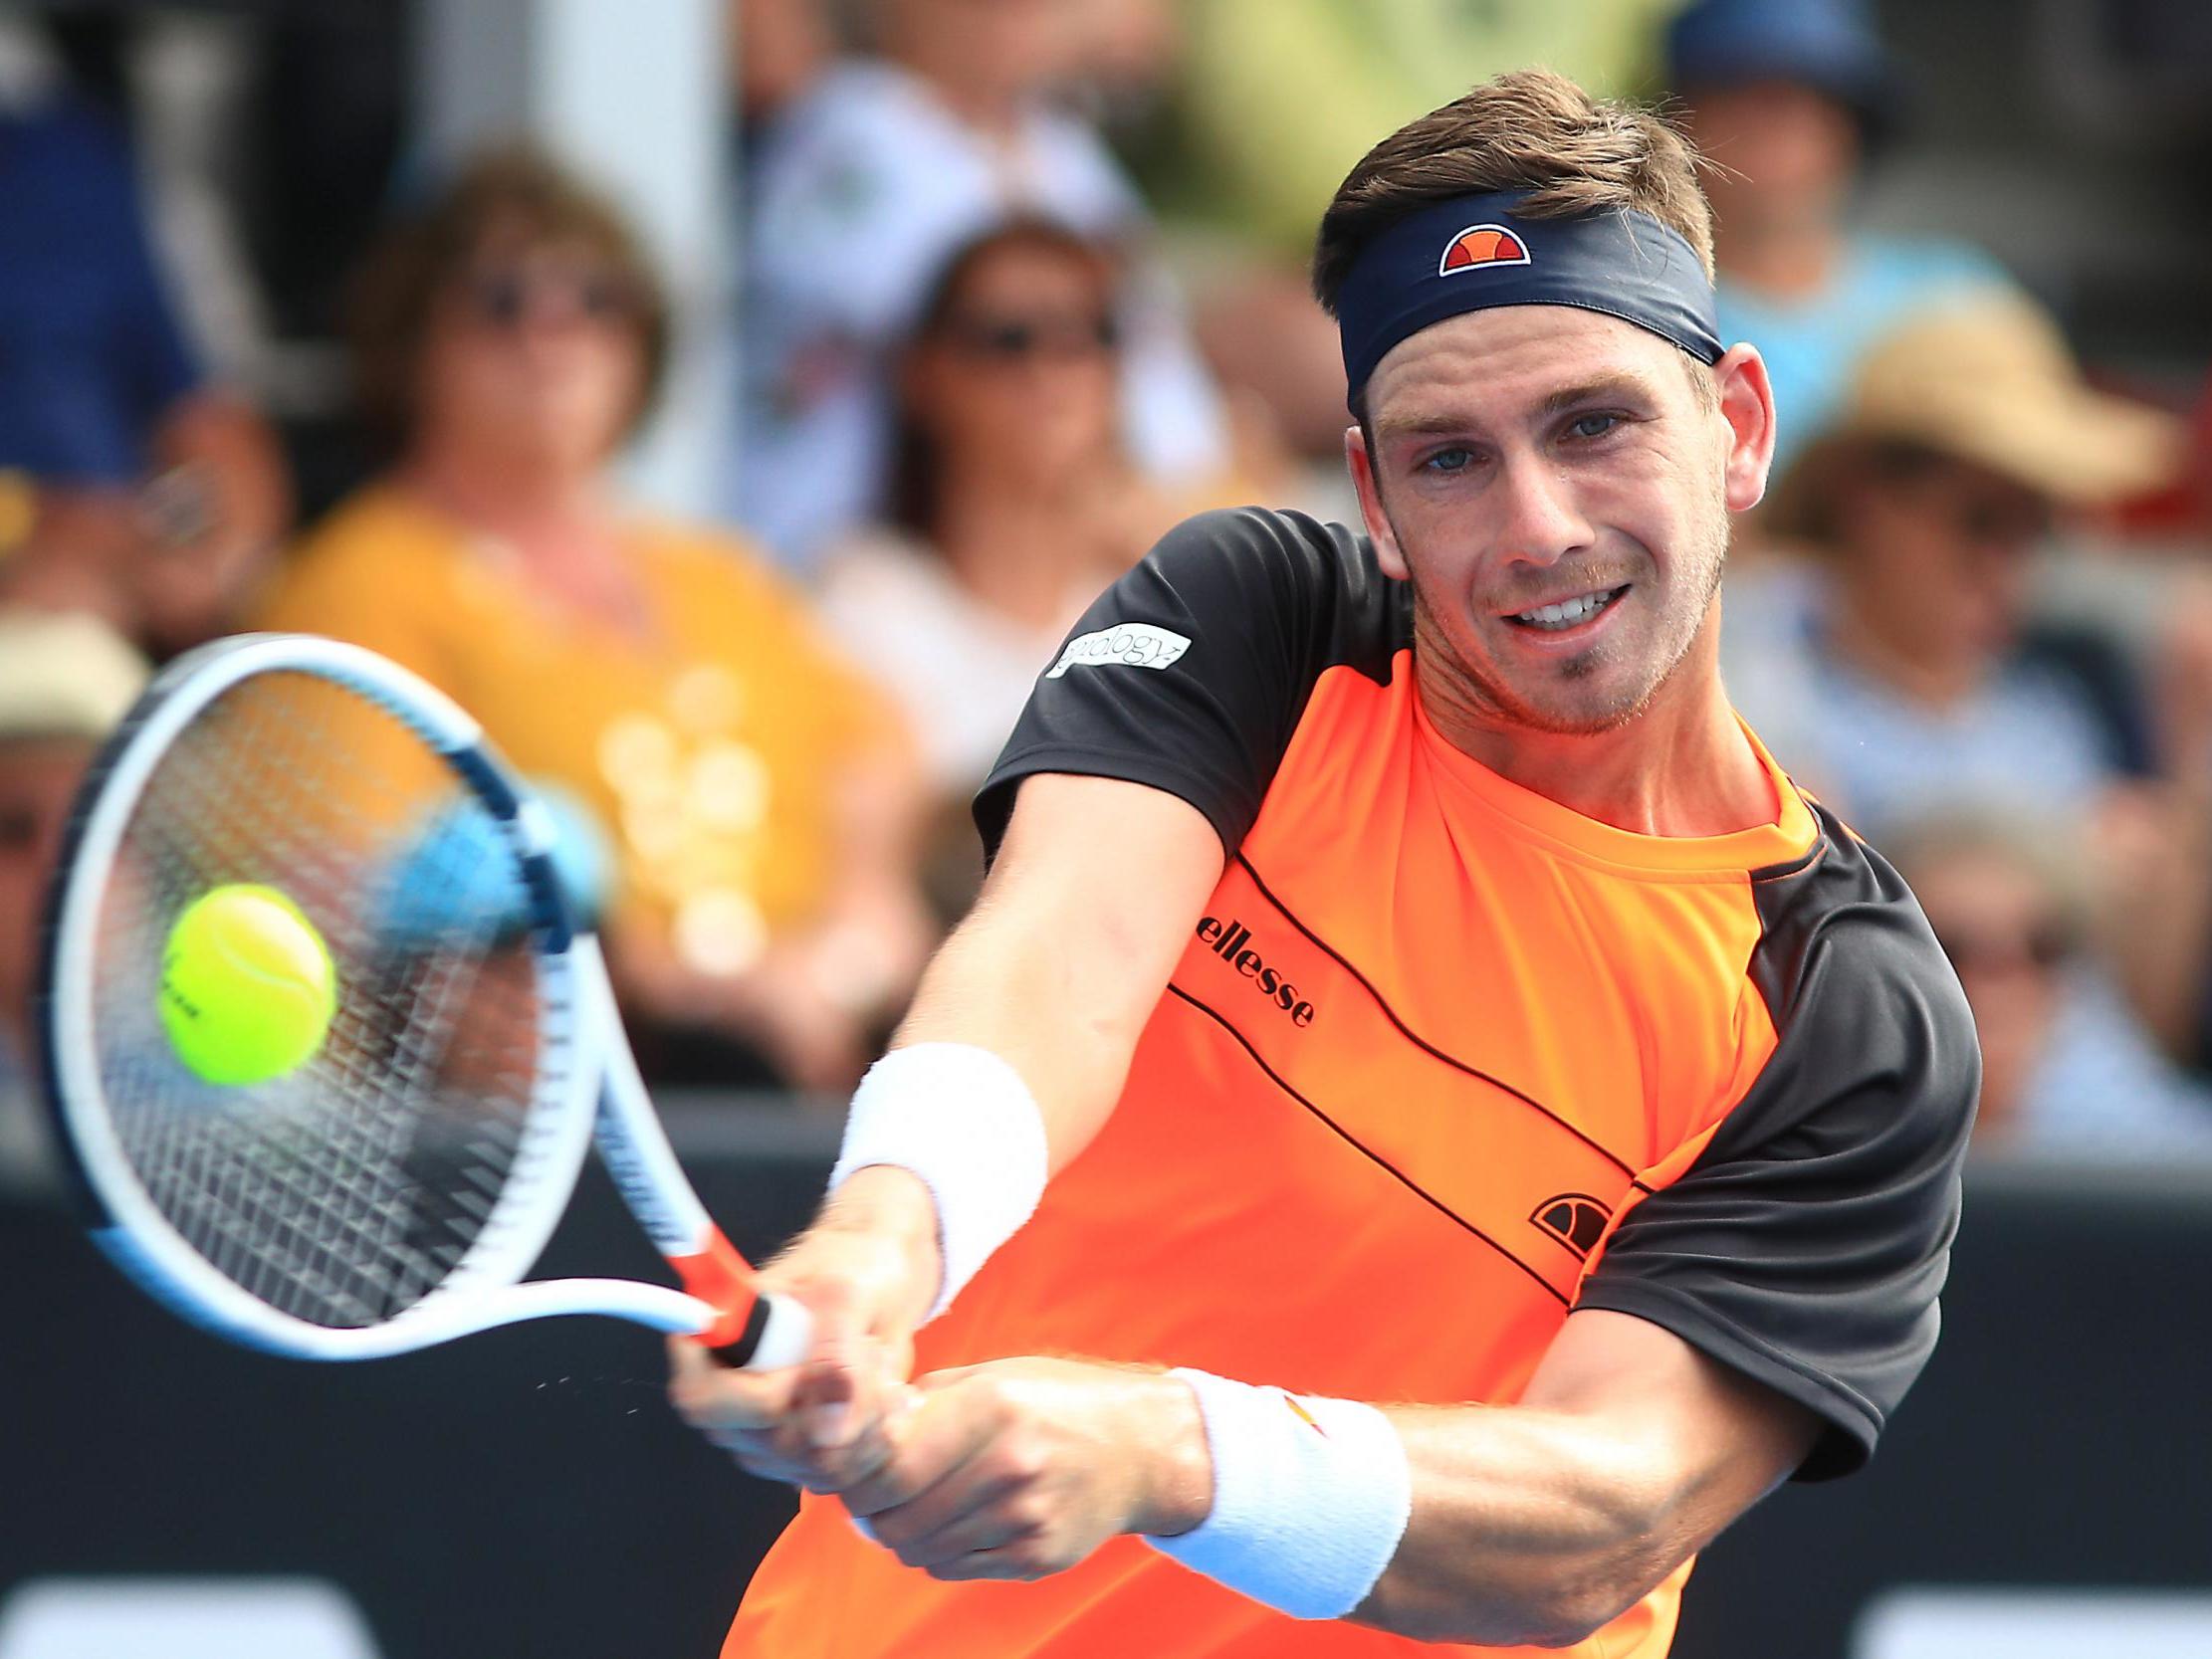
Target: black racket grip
<point>778,1332</point>
<point>739,1354</point>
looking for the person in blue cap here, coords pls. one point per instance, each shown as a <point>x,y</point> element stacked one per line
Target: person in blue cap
<point>1788,98</point>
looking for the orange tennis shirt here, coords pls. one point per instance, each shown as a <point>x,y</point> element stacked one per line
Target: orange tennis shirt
<point>1442,1063</point>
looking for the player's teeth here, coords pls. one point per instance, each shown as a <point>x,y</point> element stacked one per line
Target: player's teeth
<point>1567,612</point>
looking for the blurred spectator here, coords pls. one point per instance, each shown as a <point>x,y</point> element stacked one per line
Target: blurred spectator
<point>1127,52</point>
<point>778,49</point>
<point>63,683</point>
<point>1281,97</point>
<point>863,190</point>
<point>1786,98</point>
<point>2066,1069</point>
<point>1013,500</point>
<point>1275,100</point>
<point>1901,673</point>
<point>129,485</point>
<point>1965,433</point>
<point>757,791</point>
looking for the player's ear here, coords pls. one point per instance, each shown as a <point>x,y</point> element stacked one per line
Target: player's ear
<point>1378,523</point>
<point>1748,405</point>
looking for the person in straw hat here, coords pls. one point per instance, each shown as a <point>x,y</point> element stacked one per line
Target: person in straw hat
<point>1912,675</point>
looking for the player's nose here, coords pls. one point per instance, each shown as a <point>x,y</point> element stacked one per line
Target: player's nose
<point>1537,520</point>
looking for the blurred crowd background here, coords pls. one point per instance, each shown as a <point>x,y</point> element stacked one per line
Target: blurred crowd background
<point>989,295</point>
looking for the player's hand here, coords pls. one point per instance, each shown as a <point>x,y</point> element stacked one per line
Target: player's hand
<point>866,1271</point>
<point>1021,1468</point>
<point>764,1420</point>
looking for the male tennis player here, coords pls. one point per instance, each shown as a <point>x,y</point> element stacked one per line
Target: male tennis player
<point>1401,979</point>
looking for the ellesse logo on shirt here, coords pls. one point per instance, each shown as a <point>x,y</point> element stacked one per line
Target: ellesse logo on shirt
<point>1231,940</point>
<point>1575,1219</point>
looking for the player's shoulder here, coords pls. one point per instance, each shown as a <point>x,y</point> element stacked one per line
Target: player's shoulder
<point>1317,585</point>
<point>1842,899</point>
<point>1855,978</point>
<point>1266,542</point>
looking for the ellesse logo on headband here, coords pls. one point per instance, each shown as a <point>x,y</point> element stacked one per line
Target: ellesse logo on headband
<point>1481,244</point>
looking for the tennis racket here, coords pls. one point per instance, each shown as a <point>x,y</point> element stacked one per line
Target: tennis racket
<point>393,1190</point>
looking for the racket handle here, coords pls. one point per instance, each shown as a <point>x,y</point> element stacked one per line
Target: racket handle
<point>754,1330</point>
<point>778,1332</point>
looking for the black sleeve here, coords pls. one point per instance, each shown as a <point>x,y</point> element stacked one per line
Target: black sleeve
<point>1190,673</point>
<point>1806,1245</point>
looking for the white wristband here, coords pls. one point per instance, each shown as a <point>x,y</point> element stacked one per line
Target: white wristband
<point>961,1120</point>
<point>1310,1497</point>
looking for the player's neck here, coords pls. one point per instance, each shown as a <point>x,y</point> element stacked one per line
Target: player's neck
<point>1682,767</point>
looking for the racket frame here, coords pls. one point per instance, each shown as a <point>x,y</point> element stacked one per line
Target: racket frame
<point>587,1088</point>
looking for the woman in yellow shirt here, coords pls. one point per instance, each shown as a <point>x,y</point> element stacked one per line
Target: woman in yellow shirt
<point>754,793</point>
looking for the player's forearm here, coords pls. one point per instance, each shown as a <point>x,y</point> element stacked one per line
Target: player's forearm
<point>1528,1528</point>
<point>1525,1527</point>
<point>1020,1035</point>
<point>932,1161</point>
<point>1024,993</point>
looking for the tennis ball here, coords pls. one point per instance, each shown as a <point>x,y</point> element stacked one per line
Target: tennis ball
<point>248,987</point>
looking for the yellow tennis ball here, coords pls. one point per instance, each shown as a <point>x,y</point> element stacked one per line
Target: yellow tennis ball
<point>248,987</point>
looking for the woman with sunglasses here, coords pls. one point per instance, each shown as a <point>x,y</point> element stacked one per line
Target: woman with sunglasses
<point>748,791</point>
<point>1013,502</point>
<point>2068,1070</point>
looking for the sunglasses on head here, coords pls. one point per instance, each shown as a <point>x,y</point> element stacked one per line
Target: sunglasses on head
<point>1016,339</point>
<point>506,298</point>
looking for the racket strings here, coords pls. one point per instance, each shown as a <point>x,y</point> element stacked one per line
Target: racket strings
<point>348,1189</point>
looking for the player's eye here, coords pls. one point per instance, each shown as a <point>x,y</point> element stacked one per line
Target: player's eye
<point>1591,426</point>
<point>1448,460</point>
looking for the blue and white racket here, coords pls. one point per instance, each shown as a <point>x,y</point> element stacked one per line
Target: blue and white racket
<point>393,1190</point>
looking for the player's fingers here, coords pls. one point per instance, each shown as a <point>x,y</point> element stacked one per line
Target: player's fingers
<point>948,1517</point>
<point>941,1435</point>
<point>783,1451</point>
<point>873,1445</point>
<point>990,1528</point>
<point>782,1454</point>
<point>1017,1561</point>
<point>832,1393</point>
<point>765,1463</point>
<point>712,1397</point>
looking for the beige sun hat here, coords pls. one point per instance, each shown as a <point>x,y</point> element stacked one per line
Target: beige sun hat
<point>1991,381</point>
<point>63,675</point>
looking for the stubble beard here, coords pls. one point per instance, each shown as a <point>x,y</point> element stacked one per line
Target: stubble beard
<point>1488,700</point>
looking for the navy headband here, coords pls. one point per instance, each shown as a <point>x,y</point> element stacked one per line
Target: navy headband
<point>1473,252</point>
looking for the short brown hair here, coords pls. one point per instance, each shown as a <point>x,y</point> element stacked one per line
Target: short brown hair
<point>1530,130</point>
<point>418,258</point>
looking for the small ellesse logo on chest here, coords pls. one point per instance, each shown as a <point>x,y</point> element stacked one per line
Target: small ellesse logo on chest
<point>1575,1219</point>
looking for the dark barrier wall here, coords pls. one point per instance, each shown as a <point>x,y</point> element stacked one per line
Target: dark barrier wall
<point>527,1491</point>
